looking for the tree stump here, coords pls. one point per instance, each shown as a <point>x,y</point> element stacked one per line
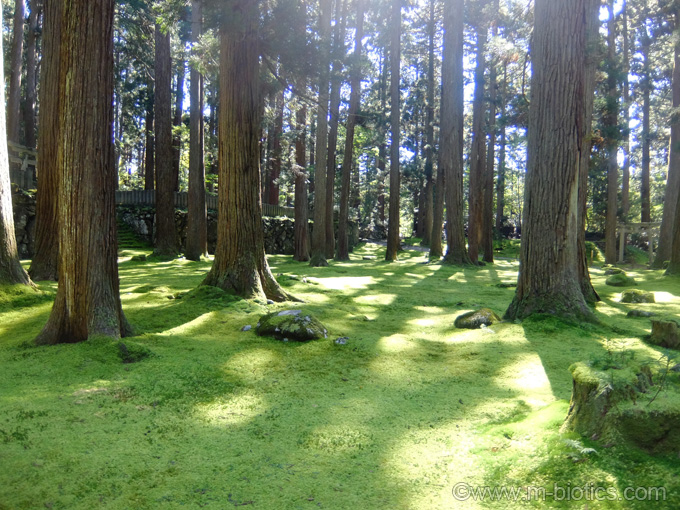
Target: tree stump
<point>665,333</point>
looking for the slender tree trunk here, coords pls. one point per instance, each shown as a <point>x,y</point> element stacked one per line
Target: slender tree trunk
<point>354,103</point>
<point>612,136</point>
<point>197,221</point>
<point>16,54</point>
<point>177,122</point>
<point>672,192</point>
<point>487,209</point>
<point>548,278</point>
<point>301,176</point>
<point>625,187</point>
<point>31,72</point>
<point>276,151</point>
<point>395,126</point>
<point>646,83</point>
<point>44,262</point>
<point>429,132</point>
<point>477,152</point>
<point>240,264</point>
<point>500,183</point>
<point>319,242</point>
<point>149,164</point>
<point>87,303</point>
<point>166,234</point>
<point>339,52</point>
<point>451,137</point>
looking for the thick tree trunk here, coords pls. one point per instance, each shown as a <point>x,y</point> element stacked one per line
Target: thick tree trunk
<point>354,103</point>
<point>16,54</point>
<point>548,277</point>
<point>31,72</point>
<point>395,126</point>
<point>429,133</point>
<point>166,234</point>
<point>87,303</point>
<point>301,197</point>
<point>240,264</point>
<point>44,262</point>
<point>150,150</point>
<point>319,242</point>
<point>673,183</point>
<point>197,221</point>
<point>611,124</point>
<point>451,133</point>
<point>477,152</point>
<point>177,121</point>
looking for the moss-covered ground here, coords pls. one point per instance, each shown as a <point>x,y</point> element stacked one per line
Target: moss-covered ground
<point>395,418</point>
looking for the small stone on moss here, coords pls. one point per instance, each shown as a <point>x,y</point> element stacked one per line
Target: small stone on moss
<point>476,319</point>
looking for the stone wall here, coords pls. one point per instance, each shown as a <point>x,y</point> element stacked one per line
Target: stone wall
<point>279,232</point>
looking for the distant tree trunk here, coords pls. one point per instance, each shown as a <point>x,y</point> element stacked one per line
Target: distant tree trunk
<point>166,235</point>
<point>319,243</point>
<point>301,197</point>
<point>87,303</point>
<point>177,122</point>
<point>395,126</point>
<point>44,262</point>
<point>612,136</point>
<point>625,187</point>
<point>11,271</point>
<point>548,277</point>
<point>487,209</point>
<point>451,137</point>
<point>477,152</point>
<point>149,166</point>
<point>276,152</point>
<point>336,83</point>
<point>240,264</point>
<point>672,192</point>
<point>197,222</point>
<point>354,103</point>
<point>646,83</point>
<point>31,72</point>
<point>429,132</point>
<point>16,54</point>
<point>500,183</point>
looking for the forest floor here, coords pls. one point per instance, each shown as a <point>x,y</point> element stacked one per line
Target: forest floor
<point>399,417</point>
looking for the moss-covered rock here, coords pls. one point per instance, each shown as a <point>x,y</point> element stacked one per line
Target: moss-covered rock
<point>640,313</point>
<point>291,325</point>
<point>665,333</point>
<point>476,319</point>
<point>613,270</point>
<point>620,280</point>
<point>637,296</point>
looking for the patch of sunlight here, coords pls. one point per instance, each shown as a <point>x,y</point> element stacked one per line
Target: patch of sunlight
<point>418,276</point>
<point>347,282</point>
<point>376,299</point>
<point>236,410</point>
<point>191,326</point>
<point>423,322</point>
<point>256,363</point>
<point>396,343</point>
<point>527,376</point>
<point>664,297</point>
<point>430,309</point>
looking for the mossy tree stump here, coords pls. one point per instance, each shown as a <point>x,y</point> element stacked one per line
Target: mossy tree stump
<point>665,333</point>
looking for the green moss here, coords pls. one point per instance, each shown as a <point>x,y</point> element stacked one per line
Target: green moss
<point>620,280</point>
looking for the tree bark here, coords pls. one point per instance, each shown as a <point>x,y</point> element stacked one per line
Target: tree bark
<point>44,262</point>
<point>354,103</point>
<point>240,264</point>
<point>451,133</point>
<point>301,176</point>
<point>548,277</point>
<point>395,126</point>
<point>477,152</point>
<point>429,133</point>
<point>319,242</point>
<point>87,303</point>
<point>611,124</point>
<point>31,72</point>
<point>166,235</point>
<point>197,221</point>
<point>16,54</point>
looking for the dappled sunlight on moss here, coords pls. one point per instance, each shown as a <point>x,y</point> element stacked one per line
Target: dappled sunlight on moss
<point>347,282</point>
<point>236,410</point>
<point>527,377</point>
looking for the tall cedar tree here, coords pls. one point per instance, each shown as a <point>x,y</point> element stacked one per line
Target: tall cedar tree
<point>354,103</point>
<point>646,85</point>
<point>166,234</point>
<point>14,96</point>
<point>318,255</point>
<point>149,149</point>
<point>395,127</point>
<point>300,172</point>
<point>177,120</point>
<point>240,265</point>
<point>29,101</point>
<point>548,275</point>
<point>611,124</point>
<point>672,193</point>
<point>674,157</point>
<point>197,223</point>
<point>45,257</point>
<point>88,300</point>
<point>429,132</point>
<point>451,131</point>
